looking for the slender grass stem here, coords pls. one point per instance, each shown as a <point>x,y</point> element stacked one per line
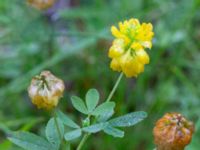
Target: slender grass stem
<point>85,137</point>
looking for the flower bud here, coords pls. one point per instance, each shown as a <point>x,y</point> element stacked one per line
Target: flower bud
<point>172,132</point>
<point>45,90</point>
<point>41,4</point>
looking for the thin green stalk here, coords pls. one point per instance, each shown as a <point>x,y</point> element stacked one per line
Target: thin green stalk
<point>66,145</point>
<point>57,126</point>
<point>115,87</point>
<point>83,141</point>
<point>85,137</point>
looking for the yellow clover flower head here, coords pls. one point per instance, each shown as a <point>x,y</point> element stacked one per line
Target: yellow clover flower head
<point>128,49</point>
<point>45,90</point>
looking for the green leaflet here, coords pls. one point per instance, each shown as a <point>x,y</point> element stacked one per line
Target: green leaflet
<point>106,127</point>
<point>129,119</point>
<point>52,134</point>
<point>29,141</point>
<point>66,120</point>
<point>113,131</point>
<point>73,134</point>
<point>105,115</point>
<point>95,128</point>
<point>79,105</point>
<point>92,99</point>
<point>103,108</point>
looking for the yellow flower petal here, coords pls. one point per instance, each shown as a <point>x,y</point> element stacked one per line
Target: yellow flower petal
<point>136,46</point>
<point>147,44</point>
<point>115,65</point>
<point>117,49</point>
<point>142,56</point>
<point>115,32</point>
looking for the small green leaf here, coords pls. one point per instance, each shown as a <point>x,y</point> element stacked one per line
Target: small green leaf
<point>79,104</point>
<point>29,141</point>
<point>66,120</point>
<point>105,115</point>
<point>103,108</point>
<point>128,119</point>
<point>114,132</point>
<point>52,133</point>
<point>95,128</point>
<point>92,99</point>
<point>72,134</point>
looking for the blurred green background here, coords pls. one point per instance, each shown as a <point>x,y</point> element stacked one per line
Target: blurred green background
<point>72,40</point>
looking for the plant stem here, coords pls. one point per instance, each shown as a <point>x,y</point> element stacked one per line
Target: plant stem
<point>83,141</point>
<point>85,137</point>
<point>57,126</point>
<point>66,146</point>
<point>115,87</point>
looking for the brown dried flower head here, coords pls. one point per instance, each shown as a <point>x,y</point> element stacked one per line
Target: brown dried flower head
<point>45,90</point>
<point>41,4</point>
<point>172,132</point>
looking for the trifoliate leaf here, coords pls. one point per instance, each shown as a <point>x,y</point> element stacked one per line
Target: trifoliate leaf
<point>72,134</point>
<point>103,108</point>
<point>128,119</point>
<point>79,104</point>
<point>29,141</point>
<point>95,128</point>
<point>92,99</point>
<point>114,132</point>
<point>52,133</point>
<point>66,120</point>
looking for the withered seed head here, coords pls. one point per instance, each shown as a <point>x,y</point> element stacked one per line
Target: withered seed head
<point>172,132</point>
<point>41,4</point>
<point>45,90</point>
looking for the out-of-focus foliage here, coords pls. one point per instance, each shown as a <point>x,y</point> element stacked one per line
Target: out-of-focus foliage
<point>72,40</point>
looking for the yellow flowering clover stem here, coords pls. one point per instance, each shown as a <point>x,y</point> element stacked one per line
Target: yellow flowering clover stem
<point>85,137</point>
<point>115,87</point>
